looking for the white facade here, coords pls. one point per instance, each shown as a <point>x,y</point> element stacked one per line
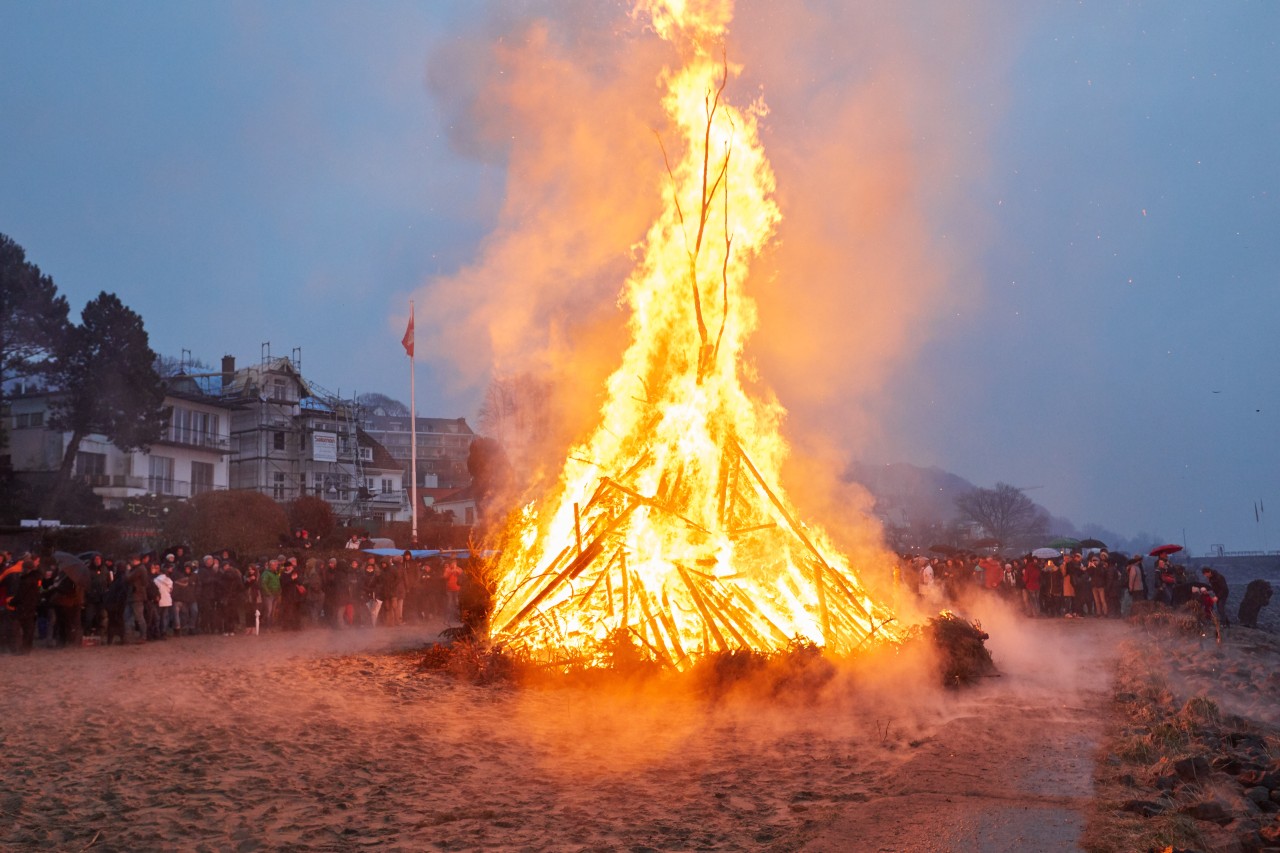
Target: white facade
<point>190,457</point>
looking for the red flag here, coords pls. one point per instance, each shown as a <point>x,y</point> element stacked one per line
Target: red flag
<point>407,340</point>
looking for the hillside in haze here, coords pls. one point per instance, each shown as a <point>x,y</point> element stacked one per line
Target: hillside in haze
<point>918,506</point>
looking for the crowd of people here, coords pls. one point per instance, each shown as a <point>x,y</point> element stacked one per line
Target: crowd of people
<point>1071,585</point>
<point>150,597</point>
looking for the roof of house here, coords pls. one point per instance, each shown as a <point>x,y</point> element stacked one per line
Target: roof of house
<point>467,494</point>
<point>382,457</point>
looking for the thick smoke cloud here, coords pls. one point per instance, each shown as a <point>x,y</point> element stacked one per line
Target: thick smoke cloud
<point>875,143</point>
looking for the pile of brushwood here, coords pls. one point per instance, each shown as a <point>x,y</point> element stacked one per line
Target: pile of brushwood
<point>798,672</point>
<point>963,657</point>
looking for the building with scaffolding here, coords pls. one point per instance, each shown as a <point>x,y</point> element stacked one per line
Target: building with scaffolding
<point>290,437</point>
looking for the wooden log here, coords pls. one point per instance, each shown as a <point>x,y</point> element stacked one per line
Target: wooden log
<point>636,496</point>
<point>672,631</point>
<point>739,624</point>
<point>739,593</point>
<point>573,569</point>
<point>586,596</point>
<point>702,608</point>
<point>743,531</point>
<point>626,588</point>
<point>659,646</point>
<point>798,532</point>
<point>723,506</point>
<point>577,525</point>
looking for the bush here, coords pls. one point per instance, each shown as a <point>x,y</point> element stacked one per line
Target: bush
<point>245,522</point>
<point>313,515</point>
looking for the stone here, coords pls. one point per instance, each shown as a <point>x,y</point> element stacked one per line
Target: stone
<point>1257,794</point>
<point>1228,764</point>
<point>1208,810</point>
<point>1193,769</point>
<point>1146,808</point>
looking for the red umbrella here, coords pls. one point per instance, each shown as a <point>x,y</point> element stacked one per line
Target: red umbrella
<point>1165,550</point>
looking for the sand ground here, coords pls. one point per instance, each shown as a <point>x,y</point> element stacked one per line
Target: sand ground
<point>336,741</point>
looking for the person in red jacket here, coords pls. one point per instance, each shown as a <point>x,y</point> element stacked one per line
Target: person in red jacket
<point>1031,587</point>
<point>452,586</point>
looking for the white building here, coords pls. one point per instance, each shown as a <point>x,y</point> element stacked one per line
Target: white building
<point>190,457</point>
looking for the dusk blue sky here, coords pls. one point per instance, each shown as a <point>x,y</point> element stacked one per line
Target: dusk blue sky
<point>290,172</point>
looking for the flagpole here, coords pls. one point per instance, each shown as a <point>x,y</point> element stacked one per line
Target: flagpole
<point>413,436</point>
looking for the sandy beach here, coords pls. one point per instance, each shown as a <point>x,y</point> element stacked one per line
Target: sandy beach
<point>338,741</point>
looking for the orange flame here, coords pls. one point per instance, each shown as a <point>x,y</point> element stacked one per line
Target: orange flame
<point>665,523</point>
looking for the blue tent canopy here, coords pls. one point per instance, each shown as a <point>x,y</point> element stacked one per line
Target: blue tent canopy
<point>422,554</point>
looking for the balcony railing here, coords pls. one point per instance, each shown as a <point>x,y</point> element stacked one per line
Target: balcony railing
<point>196,438</point>
<point>149,485</point>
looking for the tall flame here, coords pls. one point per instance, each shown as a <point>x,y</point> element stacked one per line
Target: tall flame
<point>666,523</point>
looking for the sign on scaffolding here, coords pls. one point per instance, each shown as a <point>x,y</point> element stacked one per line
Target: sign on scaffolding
<point>324,447</point>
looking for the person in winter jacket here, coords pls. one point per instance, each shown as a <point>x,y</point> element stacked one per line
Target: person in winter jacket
<point>270,584</point>
<point>164,586</point>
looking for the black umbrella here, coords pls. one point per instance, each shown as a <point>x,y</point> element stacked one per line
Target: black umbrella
<point>73,567</point>
<point>943,549</point>
<point>1092,543</point>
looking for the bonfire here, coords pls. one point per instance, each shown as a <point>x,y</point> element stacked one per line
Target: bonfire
<point>668,528</point>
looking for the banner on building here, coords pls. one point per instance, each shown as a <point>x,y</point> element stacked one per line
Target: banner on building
<point>324,447</point>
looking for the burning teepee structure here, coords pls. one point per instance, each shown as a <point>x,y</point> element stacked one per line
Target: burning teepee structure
<point>667,522</point>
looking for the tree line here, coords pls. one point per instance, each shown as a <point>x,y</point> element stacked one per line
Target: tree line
<point>101,369</point>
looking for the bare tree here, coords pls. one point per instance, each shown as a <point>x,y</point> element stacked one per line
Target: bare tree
<point>515,411</point>
<point>388,405</point>
<point>1005,513</point>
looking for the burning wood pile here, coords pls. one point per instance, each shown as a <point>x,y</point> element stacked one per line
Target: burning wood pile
<point>667,522</point>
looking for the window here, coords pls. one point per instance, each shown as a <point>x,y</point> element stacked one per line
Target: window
<point>201,477</point>
<point>91,464</point>
<point>160,475</point>
<point>366,454</point>
<point>386,484</point>
<point>279,390</point>
<point>470,514</point>
<point>277,485</point>
<point>279,441</point>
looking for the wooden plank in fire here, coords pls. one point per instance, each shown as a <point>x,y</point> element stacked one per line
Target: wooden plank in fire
<point>728,467</point>
<point>739,623</point>
<point>850,593</point>
<point>708,623</point>
<point>796,531</point>
<point>659,655</point>
<point>600,577</point>
<point>574,568</point>
<point>743,531</point>
<point>737,592</point>
<point>650,620</point>
<point>626,588</point>
<point>656,504</point>
<point>670,625</point>
<point>551,571</point>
